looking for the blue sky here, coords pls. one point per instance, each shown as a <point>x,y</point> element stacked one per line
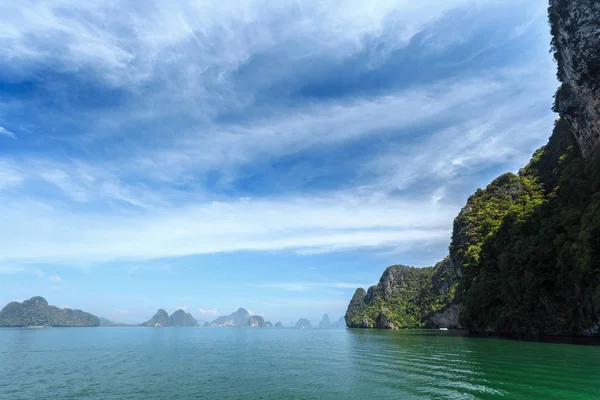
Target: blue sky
<point>272,155</point>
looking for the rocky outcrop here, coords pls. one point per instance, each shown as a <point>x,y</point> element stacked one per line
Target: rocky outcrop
<point>37,312</point>
<point>183,319</point>
<point>278,324</point>
<point>256,321</point>
<point>239,318</point>
<point>384,320</point>
<point>325,322</point>
<point>160,319</point>
<point>576,44</point>
<point>268,324</point>
<point>446,318</point>
<point>356,309</point>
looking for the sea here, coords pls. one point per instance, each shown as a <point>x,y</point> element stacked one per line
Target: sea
<point>268,363</point>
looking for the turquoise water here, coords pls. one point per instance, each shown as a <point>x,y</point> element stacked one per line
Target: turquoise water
<point>245,363</point>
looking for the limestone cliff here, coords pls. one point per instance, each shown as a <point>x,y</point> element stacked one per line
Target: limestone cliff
<point>407,297</point>
<point>575,28</point>
<point>525,253</point>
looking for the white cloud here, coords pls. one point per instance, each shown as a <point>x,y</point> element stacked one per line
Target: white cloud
<point>126,43</point>
<point>5,132</point>
<point>334,222</point>
<point>55,278</point>
<point>121,311</point>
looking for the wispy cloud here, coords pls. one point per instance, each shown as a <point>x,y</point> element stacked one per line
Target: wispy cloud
<point>7,133</point>
<point>334,222</point>
<point>189,128</point>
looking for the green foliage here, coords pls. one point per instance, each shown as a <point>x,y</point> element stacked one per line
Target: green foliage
<point>531,261</point>
<point>406,296</point>
<point>37,312</point>
<point>356,309</point>
<point>526,248</point>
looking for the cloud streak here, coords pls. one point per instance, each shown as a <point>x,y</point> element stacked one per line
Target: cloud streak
<point>333,223</point>
<point>5,132</point>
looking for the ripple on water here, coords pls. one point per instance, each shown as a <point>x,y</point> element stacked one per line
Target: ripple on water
<point>190,363</point>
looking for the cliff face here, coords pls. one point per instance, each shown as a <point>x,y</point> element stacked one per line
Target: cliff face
<point>37,312</point>
<point>576,43</point>
<point>525,252</point>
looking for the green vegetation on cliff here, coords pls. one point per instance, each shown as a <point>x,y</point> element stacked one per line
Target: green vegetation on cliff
<point>405,297</point>
<point>525,251</point>
<point>537,270</point>
<point>524,257</point>
<point>37,312</point>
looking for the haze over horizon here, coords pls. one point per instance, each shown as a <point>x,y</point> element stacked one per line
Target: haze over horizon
<point>267,155</point>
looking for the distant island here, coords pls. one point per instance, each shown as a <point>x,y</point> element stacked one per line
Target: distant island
<point>325,322</point>
<point>178,319</point>
<point>241,317</point>
<point>36,312</point>
<point>303,323</point>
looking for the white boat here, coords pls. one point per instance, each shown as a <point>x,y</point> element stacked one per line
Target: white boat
<point>443,329</point>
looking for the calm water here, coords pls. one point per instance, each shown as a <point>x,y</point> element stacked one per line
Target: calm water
<point>196,363</point>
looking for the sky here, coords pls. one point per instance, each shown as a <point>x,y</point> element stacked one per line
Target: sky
<point>273,155</point>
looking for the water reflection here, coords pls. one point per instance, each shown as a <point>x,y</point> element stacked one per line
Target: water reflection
<point>434,364</point>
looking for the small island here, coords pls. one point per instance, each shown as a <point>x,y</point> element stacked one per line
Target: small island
<point>36,312</point>
<point>178,319</point>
